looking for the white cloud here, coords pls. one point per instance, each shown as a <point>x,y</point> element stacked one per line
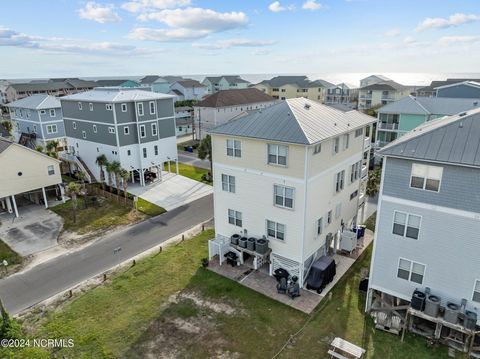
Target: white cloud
<point>151,5</point>
<point>277,7</point>
<point>458,40</point>
<point>393,32</point>
<point>99,12</point>
<point>166,35</point>
<point>442,23</point>
<point>261,52</point>
<point>311,5</point>
<point>226,44</point>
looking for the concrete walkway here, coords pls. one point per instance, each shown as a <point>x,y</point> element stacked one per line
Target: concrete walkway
<point>173,191</point>
<point>36,229</point>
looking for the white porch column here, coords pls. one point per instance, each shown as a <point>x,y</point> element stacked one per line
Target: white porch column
<point>132,178</point>
<point>3,203</point>
<point>176,165</point>
<point>15,205</point>
<point>159,171</point>
<point>169,167</point>
<point>9,205</point>
<point>45,197</point>
<point>62,193</point>
<point>142,178</point>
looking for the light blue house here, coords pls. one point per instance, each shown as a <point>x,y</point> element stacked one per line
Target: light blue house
<point>37,119</point>
<point>466,89</point>
<point>425,268</point>
<point>156,84</point>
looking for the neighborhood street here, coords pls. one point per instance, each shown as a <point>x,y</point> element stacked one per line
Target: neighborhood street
<point>192,159</point>
<point>21,291</point>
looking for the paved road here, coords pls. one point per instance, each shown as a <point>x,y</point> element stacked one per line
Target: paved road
<point>21,291</point>
<point>192,159</point>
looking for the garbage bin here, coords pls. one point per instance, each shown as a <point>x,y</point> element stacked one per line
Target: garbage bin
<point>190,149</point>
<point>360,231</point>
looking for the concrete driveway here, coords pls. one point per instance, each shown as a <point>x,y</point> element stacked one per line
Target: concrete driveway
<point>172,192</point>
<point>35,230</point>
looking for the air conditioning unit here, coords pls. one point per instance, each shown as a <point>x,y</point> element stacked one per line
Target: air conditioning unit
<point>451,313</point>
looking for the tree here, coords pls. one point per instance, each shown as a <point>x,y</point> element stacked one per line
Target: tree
<point>102,161</point>
<point>110,170</point>
<point>125,175</point>
<point>73,189</point>
<point>373,182</point>
<point>52,146</point>
<point>82,177</point>
<point>39,148</point>
<point>116,168</point>
<point>205,151</point>
<point>7,125</point>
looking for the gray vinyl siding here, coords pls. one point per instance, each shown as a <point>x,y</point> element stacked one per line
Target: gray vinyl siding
<point>459,187</point>
<point>48,136</point>
<point>102,136</point>
<point>124,117</point>
<point>146,112</point>
<point>459,91</point>
<point>165,108</point>
<point>27,127</point>
<point>166,127</point>
<point>448,245</point>
<point>99,113</point>
<point>149,137</point>
<point>129,139</point>
<point>47,118</point>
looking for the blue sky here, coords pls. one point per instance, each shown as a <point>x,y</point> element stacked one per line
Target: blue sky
<point>40,38</point>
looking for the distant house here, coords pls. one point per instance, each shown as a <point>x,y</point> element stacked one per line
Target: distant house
<point>225,105</point>
<point>26,172</point>
<point>188,90</point>
<point>341,94</point>
<point>373,79</point>
<point>184,120</point>
<point>427,233</point>
<point>467,89</point>
<point>381,93</point>
<point>402,116</point>
<point>117,83</point>
<point>37,119</point>
<point>285,87</point>
<point>430,90</point>
<point>218,83</point>
<point>156,83</point>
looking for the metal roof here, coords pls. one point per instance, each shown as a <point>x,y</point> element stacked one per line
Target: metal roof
<point>4,144</point>
<point>454,139</point>
<point>299,81</point>
<point>36,102</point>
<point>466,83</point>
<point>435,84</point>
<point>116,94</point>
<point>235,97</point>
<point>385,85</point>
<point>430,105</point>
<point>189,83</point>
<point>296,120</point>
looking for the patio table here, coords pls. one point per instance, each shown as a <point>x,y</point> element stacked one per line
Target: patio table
<point>347,347</point>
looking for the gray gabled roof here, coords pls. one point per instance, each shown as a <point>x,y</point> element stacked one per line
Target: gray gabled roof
<point>296,120</point>
<point>466,83</point>
<point>430,105</point>
<point>385,85</point>
<point>4,144</point>
<point>454,139</point>
<point>299,81</point>
<point>235,97</point>
<point>36,102</point>
<point>115,94</point>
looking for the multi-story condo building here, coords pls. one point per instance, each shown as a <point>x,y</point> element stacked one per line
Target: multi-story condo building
<point>285,87</point>
<point>37,119</point>
<point>430,90</point>
<point>184,120</point>
<point>380,94</point>
<point>128,125</point>
<point>117,83</point>
<point>426,237</point>
<point>466,89</point>
<point>291,173</point>
<point>226,105</point>
<point>188,90</point>
<point>341,94</point>
<point>219,83</point>
<point>399,117</point>
<point>373,79</point>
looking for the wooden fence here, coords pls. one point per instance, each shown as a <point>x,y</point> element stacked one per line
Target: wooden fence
<point>93,189</point>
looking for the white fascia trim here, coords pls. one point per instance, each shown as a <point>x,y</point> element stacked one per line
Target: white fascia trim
<point>391,292</point>
<point>275,176</point>
<point>431,207</point>
<point>427,160</point>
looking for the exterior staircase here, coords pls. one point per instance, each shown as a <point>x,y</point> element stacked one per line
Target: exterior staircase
<point>68,157</point>
<point>28,140</point>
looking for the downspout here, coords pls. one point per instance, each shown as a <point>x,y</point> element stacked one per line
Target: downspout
<point>305,193</point>
<point>141,177</point>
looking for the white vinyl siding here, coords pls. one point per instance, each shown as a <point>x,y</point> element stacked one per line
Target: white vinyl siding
<point>359,132</point>
<point>277,154</point>
<point>406,225</point>
<point>234,148</point>
<point>228,183</point>
<point>235,218</point>
<point>411,271</point>
<point>283,196</point>
<point>426,177</point>
<point>275,230</point>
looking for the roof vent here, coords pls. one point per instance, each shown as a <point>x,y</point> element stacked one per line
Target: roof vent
<point>460,124</point>
<point>307,106</point>
<point>462,114</point>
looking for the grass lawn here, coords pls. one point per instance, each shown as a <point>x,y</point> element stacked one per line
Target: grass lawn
<point>149,208</point>
<point>189,171</point>
<point>169,306</point>
<point>370,222</point>
<point>8,254</point>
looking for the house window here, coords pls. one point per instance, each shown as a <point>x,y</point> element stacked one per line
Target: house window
<point>144,152</point>
<point>84,134</point>
<point>111,130</point>
<point>346,141</point>
<point>154,129</point>
<point>74,125</point>
<point>476,292</point>
<point>94,128</point>
<point>275,230</point>
<point>355,171</point>
<point>319,226</point>
<point>90,106</point>
<point>228,183</point>
<point>142,131</point>
<point>52,112</point>
<point>43,112</point>
<point>124,107</point>
<point>339,181</point>
<point>426,177</point>
<point>34,128</point>
<point>28,113</point>
<point>51,129</point>
<point>140,109</point>
<point>353,195</point>
<point>411,271</point>
<point>406,225</point>
<point>152,107</point>
<point>277,154</point>
<point>80,106</point>
<point>329,217</point>
<point>235,218</point>
<point>108,107</point>
<point>51,170</point>
<point>155,150</point>
<point>129,152</point>
<point>126,130</point>
<point>317,149</point>
<point>234,148</point>
<point>283,196</point>
<point>359,132</point>
<point>336,145</point>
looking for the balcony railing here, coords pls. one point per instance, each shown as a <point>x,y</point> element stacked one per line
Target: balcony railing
<point>367,142</point>
<point>364,171</point>
<point>366,96</point>
<point>388,126</point>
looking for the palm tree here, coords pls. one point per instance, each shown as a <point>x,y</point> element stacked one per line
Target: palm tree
<point>39,148</point>
<point>116,167</point>
<point>125,177</point>
<point>52,146</point>
<point>102,161</point>
<point>110,170</point>
<point>205,151</point>
<point>82,177</point>
<point>73,189</point>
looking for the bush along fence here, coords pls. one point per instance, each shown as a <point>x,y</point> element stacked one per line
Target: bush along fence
<point>97,190</point>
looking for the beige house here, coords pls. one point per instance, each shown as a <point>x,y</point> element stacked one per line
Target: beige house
<point>381,94</point>
<point>25,172</point>
<point>295,174</point>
